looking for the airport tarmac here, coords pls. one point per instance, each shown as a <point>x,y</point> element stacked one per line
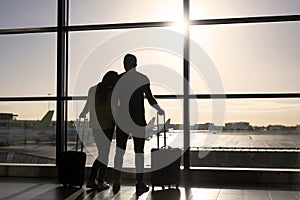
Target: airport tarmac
<point>225,140</point>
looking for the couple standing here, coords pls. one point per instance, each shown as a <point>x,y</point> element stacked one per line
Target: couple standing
<point>123,108</point>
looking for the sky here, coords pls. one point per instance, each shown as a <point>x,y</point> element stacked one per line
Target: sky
<point>252,58</point>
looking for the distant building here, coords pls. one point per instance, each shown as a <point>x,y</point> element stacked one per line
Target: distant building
<point>238,126</point>
<point>176,126</point>
<point>7,116</point>
<point>281,128</point>
<point>259,128</point>
<point>205,126</point>
<point>275,127</point>
<point>6,119</point>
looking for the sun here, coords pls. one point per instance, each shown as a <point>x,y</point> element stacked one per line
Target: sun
<point>179,26</point>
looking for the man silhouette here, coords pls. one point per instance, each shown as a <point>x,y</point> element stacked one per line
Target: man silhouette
<point>130,118</point>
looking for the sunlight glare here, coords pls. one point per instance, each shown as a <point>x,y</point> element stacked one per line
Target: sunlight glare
<point>179,26</point>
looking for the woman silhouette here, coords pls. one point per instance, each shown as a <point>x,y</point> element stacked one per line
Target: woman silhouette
<point>102,123</point>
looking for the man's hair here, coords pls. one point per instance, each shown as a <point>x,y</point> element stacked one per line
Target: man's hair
<point>129,62</point>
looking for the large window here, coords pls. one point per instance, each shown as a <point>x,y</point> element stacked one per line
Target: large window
<point>213,9</point>
<point>101,12</point>
<point>255,58</point>
<point>27,132</point>
<point>242,72</point>
<point>255,133</point>
<point>28,88</point>
<point>93,53</point>
<point>28,65</point>
<point>28,14</point>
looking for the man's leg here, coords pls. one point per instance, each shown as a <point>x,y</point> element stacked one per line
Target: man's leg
<point>121,138</point>
<point>139,143</point>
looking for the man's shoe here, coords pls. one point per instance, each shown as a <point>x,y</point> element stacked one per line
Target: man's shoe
<point>91,184</point>
<point>141,188</point>
<point>102,186</point>
<point>116,187</point>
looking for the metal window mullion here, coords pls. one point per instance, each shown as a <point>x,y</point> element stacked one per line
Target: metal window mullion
<point>223,21</point>
<point>186,113</point>
<point>66,81</point>
<point>60,77</point>
<point>246,20</point>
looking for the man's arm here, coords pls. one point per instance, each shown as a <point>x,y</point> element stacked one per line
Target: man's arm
<point>152,101</point>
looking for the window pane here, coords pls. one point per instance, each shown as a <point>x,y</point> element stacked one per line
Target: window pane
<point>115,11</point>
<point>205,9</point>
<point>256,133</point>
<point>28,65</point>
<point>27,132</point>
<point>29,13</point>
<point>256,58</point>
<point>94,53</point>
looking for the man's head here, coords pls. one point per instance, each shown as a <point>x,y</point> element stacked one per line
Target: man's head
<point>129,62</point>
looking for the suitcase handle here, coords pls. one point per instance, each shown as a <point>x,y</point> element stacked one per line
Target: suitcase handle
<point>77,137</point>
<point>164,129</point>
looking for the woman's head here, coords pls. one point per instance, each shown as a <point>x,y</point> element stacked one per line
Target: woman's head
<point>110,78</point>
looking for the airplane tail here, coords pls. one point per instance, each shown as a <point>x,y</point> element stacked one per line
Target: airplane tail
<point>45,123</point>
<point>151,122</point>
<point>151,130</point>
<point>167,126</point>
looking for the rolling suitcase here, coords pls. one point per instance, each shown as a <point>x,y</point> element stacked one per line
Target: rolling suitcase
<point>165,163</point>
<point>71,164</point>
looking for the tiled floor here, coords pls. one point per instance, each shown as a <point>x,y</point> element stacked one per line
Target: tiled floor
<point>29,188</point>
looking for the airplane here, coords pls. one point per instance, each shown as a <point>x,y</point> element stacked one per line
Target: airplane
<point>23,131</point>
<point>151,129</point>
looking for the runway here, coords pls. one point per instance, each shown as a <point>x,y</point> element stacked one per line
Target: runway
<point>225,141</point>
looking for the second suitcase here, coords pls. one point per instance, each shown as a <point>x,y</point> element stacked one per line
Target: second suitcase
<point>165,163</point>
<point>71,165</point>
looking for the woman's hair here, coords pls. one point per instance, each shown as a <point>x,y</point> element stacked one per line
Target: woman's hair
<point>108,83</point>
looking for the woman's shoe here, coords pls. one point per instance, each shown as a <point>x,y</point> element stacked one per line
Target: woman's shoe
<point>102,186</point>
<point>141,188</point>
<point>91,184</point>
<point>116,187</point>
